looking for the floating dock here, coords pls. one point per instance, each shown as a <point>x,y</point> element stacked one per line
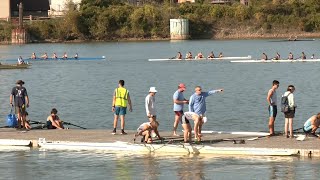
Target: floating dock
<point>213,143</point>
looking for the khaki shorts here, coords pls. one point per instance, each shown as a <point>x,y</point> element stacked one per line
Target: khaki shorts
<point>22,109</point>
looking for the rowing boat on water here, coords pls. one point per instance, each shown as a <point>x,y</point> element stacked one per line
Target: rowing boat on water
<point>222,58</point>
<point>121,147</point>
<point>61,59</point>
<point>277,61</point>
<point>14,66</point>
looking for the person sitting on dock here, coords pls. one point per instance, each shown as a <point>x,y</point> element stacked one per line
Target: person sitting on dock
<point>65,56</point>
<point>220,55</point>
<point>303,56</point>
<point>145,130</point>
<point>211,55</point>
<point>312,124</point>
<point>33,56</point>
<point>277,56</point>
<point>20,60</point>
<point>53,121</point>
<point>189,55</point>
<point>264,56</point>
<point>54,56</point>
<point>44,56</point>
<point>290,57</point>
<point>179,55</point>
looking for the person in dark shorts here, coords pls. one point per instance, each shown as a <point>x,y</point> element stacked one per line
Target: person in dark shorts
<point>272,108</point>
<point>185,121</point>
<point>291,113</point>
<point>53,121</point>
<point>178,102</point>
<point>21,102</point>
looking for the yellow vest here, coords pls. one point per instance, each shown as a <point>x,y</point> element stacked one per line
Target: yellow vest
<point>121,95</point>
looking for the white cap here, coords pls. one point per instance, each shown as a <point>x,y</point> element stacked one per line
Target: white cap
<point>204,119</point>
<point>153,89</point>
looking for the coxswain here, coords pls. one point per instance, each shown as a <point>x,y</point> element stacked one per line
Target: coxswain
<point>312,57</point>
<point>20,60</point>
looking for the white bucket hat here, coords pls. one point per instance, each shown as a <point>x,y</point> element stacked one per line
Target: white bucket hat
<point>153,89</point>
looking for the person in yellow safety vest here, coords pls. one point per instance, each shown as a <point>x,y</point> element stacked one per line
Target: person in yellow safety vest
<point>120,100</point>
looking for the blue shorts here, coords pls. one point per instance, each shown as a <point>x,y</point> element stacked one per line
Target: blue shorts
<point>273,111</point>
<point>120,110</point>
<point>307,128</point>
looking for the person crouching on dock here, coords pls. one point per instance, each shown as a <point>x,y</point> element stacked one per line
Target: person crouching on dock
<point>145,130</point>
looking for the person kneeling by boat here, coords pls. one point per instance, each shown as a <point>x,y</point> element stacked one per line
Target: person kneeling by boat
<point>145,130</point>
<point>312,124</point>
<point>53,121</point>
<point>185,121</point>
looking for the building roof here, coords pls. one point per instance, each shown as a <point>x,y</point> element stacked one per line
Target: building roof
<point>30,5</point>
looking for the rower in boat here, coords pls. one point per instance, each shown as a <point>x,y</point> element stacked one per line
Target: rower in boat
<point>220,55</point>
<point>76,56</point>
<point>211,55</point>
<point>277,56</point>
<point>290,57</point>
<point>54,56</point>
<point>303,56</point>
<point>20,60</point>
<point>44,56</point>
<point>312,57</point>
<point>264,56</point>
<point>199,56</point>
<point>65,56</point>
<point>189,55</point>
<point>33,56</point>
<point>179,55</point>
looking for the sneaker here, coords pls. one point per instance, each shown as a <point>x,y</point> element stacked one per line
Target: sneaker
<point>113,132</point>
<point>123,133</point>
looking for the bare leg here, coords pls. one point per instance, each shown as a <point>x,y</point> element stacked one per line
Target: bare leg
<point>271,125</point>
<point>185,132</point>
<point>200,127</point>
<point>196,127</point>
<point>175,125</point>
<point>115,121</point>
<point>19,120</point>
<point>286,123</point>
<point>122,121</point>
<point>291,126</point>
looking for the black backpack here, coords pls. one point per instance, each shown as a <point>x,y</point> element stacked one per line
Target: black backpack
<point>285,103</point>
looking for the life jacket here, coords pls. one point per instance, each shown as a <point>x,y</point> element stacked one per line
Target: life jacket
<point>121,97</point>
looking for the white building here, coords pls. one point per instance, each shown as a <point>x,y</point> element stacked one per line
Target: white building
<point>58,7</point>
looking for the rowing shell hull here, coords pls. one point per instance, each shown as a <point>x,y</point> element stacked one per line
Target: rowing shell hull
<point>14,66</point>
<point>222,58</point>
<point>277,61</point>
<point>14,142</point>
<point>60,59</point>
<point>121,147</point>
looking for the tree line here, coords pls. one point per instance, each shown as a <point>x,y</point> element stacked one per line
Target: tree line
<point>116,19</point>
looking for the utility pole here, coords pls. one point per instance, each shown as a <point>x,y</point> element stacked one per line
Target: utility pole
<point>20,15</point>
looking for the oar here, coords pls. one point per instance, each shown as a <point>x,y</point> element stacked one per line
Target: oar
<point>67,123</point>
<point>36,122</point>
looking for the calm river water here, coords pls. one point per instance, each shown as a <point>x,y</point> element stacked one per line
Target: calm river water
<point>82,93</point>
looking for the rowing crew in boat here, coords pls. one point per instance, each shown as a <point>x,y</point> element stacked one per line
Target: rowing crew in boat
<point>198,56</point>
<point>54,56</point>
<point>290,57</point>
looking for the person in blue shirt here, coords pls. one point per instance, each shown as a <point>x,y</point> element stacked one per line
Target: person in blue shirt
<point>178,102</point>
<point>197,104</point>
